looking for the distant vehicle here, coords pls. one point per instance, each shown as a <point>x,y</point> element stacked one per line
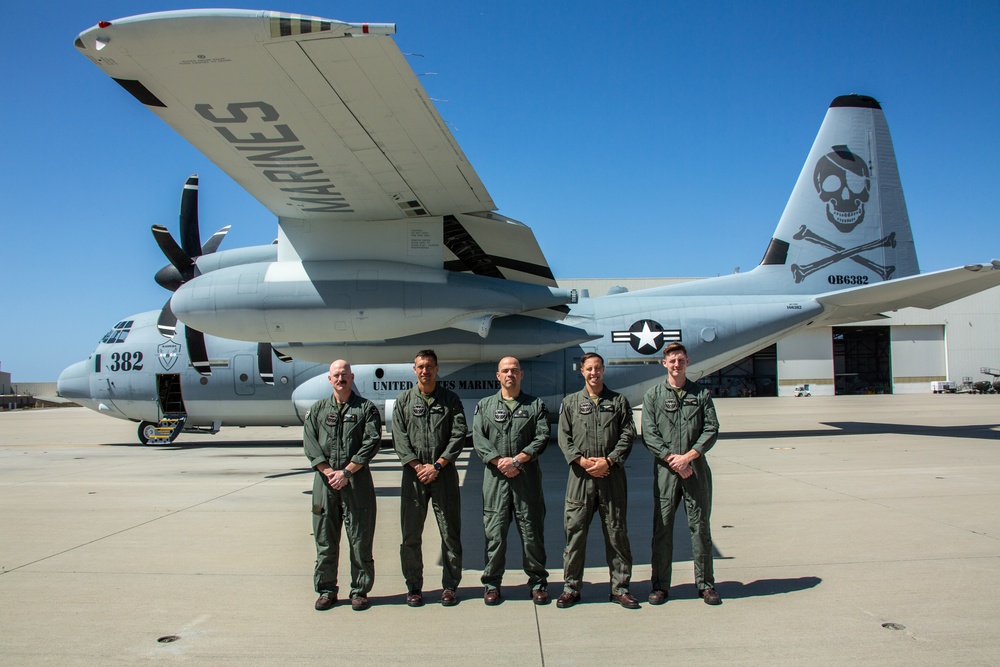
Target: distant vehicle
<point>944,387</point>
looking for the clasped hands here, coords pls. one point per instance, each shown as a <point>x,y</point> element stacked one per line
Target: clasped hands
<point>680,464</point>
<point>426,472</point>
<point>597,466</point>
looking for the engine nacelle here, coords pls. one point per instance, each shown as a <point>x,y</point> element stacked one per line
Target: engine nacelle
<point>333,301</point>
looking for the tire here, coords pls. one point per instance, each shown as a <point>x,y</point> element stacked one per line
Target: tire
<point>147,429</point>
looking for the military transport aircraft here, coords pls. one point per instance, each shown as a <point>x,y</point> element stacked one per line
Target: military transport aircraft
<point>388,242</point>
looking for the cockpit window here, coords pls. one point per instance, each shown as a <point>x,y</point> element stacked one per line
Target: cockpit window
<point>118,333</point>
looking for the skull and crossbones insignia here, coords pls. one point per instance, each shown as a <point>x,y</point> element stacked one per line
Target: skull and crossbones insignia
<point>843,182</point>
<point>801,272</point>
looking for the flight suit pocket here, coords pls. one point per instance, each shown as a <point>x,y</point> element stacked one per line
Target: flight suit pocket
<point>575,515</point>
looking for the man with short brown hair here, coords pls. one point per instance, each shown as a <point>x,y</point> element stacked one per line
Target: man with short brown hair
<point>428,433</point>
<point>679,426</point>
<point>596,431</point>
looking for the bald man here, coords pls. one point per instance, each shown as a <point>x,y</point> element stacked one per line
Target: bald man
<point>340,437</point>
<point>510,430</point>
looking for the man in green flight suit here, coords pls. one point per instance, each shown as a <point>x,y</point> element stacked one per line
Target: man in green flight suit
<point>428,432</point>
<point>340,437</point>
<point>596,431</point>
<point>509,431</point>
<point>679,426</point>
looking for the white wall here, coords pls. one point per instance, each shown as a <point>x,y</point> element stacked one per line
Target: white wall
<point>918,357</point>
<point>806,357</point>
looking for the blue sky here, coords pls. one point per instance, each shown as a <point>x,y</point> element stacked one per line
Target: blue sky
<point>642,140</point>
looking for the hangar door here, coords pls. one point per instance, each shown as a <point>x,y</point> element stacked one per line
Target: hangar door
<point>862,362</point>
<point>755,375</point>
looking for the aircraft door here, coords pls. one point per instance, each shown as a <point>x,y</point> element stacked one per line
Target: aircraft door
<point>168,393</point>
<point>243,374</point>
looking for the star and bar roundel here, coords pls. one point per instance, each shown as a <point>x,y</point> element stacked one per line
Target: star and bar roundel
<point>646,336</point>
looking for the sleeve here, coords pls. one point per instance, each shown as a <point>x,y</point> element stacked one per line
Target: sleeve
<point>540,440</point>
<point>310,437</point>
<point>626,430</point>
<point>459,429</point>
<point>400,431</point>
<point>710,426</point>
<point>481,433</point>
<point>372,437</point>
<point>652,438</point>
<point>565,434</point>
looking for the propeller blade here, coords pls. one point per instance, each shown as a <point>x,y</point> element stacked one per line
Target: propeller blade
<point>178,258</point>
<point>166,324</point>
<point>190,232</point>
<point>212,244</point>
<point>265,365</point>
<point>197,352</point>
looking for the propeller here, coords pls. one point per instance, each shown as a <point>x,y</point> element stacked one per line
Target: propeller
<point>182,268</point>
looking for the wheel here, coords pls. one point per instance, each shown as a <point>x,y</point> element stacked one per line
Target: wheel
<point>148,430</point>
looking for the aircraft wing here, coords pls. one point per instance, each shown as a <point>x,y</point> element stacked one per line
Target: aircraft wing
<point>317,119</point>
<point>326,125</point>
<point>928,290</point>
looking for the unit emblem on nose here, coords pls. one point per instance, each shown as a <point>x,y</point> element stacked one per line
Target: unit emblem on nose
<point>167,352</point>
<point>646,336</point>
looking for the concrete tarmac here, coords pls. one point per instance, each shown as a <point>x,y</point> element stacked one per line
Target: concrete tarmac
<point>848,530</point>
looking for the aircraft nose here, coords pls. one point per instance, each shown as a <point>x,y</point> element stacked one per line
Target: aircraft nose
<point>74,381</point>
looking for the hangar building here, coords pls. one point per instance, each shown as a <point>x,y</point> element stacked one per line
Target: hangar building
<point>901,354</point>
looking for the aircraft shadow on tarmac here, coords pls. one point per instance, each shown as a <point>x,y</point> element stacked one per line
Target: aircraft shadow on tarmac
<point>976,431</point>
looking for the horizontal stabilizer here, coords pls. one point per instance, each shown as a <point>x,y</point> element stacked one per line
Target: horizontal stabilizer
<point>927,291</point>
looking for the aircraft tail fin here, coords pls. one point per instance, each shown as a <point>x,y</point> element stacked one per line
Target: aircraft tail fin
<point>845,223</point>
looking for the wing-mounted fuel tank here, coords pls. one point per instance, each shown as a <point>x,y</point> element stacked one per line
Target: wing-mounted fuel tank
<point>331,301</point>
<point>520,336</point>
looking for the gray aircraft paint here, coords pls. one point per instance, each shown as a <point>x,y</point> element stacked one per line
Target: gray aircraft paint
<point>361,282</point>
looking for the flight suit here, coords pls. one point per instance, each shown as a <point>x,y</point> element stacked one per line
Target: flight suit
<point>603,430</point>
<point>499,431</point>
<point>675,423</point>
<point>426,431</point>
<point>351,433</point>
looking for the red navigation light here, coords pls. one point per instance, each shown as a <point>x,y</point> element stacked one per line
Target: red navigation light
<point>103,24</point>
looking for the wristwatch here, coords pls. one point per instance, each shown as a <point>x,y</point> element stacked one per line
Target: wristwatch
<point>346,473</point>
<point>437,466</point>
<point>516,463</point>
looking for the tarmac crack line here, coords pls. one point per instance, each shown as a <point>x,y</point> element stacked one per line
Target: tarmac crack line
<point>538,632</point>
<point>138,525</point>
